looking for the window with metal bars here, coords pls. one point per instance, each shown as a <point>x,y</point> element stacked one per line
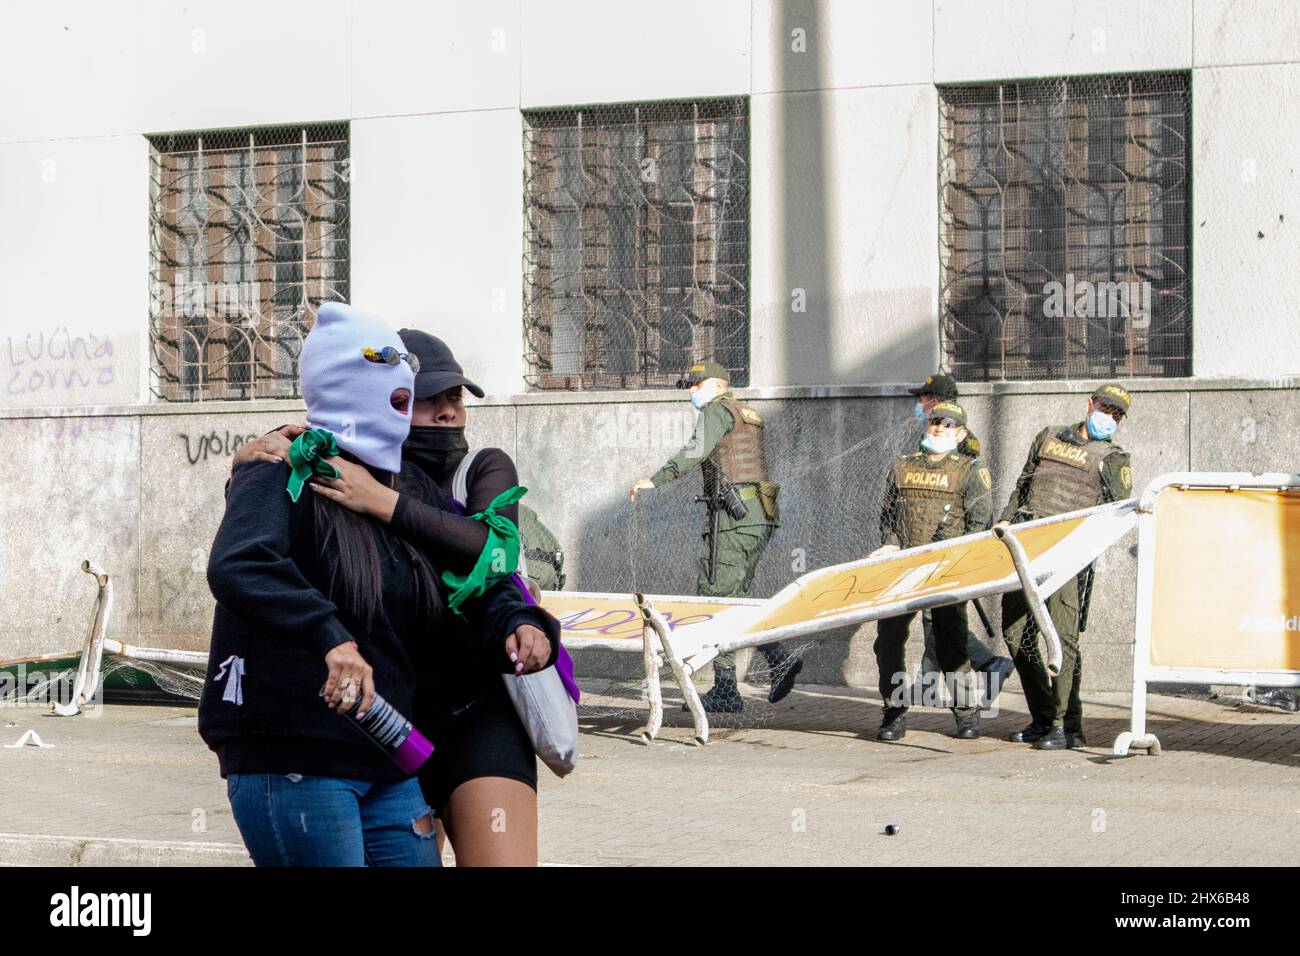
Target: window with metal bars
<point>1065,240</point>
<point>248,236</point>
<point>636,243</point>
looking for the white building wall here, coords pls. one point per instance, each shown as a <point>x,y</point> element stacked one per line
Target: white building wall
<point>1246,221</point>
<point>1013,39</point>
<point>74,272</point>
<point>843,147</point>
<point>437,233</point>
<point>595,51</point>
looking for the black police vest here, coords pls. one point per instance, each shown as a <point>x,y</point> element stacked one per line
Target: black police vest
<point>930,496</point>
<point>1067,476</point>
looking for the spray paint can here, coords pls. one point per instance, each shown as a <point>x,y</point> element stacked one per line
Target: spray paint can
<point>392,733</point>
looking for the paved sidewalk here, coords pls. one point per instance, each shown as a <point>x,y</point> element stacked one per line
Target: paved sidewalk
<point>807,786</point>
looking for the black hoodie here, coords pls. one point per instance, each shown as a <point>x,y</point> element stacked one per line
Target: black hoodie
<point>274,623</point>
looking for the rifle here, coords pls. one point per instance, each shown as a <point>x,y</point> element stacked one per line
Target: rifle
<point>712,498</point>
<point>1085,596</point>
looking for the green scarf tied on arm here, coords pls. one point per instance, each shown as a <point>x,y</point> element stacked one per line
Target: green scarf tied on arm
<point>499,557</point>
<point>307,457</point>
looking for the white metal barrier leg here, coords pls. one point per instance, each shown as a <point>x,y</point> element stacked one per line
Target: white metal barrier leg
<point>1137,736</point>
<point>652,660</point>
<point>681,672</point>
<point>86,683</point>
<point>1037,607</point>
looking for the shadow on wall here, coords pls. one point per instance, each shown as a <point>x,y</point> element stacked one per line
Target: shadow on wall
<point>802,244</point>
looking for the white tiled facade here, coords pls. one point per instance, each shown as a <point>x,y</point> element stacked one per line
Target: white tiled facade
<point>843,145</point>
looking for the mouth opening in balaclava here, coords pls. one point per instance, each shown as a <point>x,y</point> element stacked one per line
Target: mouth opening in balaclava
<point>349,395</point>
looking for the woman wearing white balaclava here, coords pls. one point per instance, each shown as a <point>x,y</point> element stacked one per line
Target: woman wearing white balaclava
<point>316,601</point>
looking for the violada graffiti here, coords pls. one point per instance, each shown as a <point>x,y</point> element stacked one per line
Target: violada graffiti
<point>59,361</point>
<point>214,443</point>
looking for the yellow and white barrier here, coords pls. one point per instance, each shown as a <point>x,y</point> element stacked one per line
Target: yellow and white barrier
<point>1218,589</point>
<point>1039,556</point>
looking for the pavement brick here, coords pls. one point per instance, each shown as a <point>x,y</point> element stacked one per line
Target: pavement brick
<point>803,784</point>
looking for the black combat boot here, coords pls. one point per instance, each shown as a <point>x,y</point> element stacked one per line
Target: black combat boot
<point>968,727</point>
<point>893,725</point>
<point>783,669</point>
<point>1054,739</point>
<point>1075,738</point>
<point>1031,734</point>
<point>724,696</point>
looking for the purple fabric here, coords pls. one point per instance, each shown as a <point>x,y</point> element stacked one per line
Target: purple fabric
<point>412,753</point>
<point>563,662</point>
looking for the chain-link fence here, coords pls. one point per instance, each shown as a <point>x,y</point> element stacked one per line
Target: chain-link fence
<point>248,235</point>
<point>636,243</point>
<point>1065,228</point>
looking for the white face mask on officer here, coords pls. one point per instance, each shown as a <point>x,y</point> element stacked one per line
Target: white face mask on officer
<point>940,438</point>
<point>705,392</point>
<point>938,444</point>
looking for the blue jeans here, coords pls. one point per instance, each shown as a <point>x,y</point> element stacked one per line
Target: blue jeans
<point>296,820</point>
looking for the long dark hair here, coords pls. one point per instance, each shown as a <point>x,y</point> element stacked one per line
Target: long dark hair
<point>348,545</point>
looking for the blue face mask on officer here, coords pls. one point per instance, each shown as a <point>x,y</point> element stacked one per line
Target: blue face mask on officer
<point>1101,426</point>
<point>918,410</point>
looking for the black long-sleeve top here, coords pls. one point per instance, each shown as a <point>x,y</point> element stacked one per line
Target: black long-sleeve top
<point>459,540</point>
<point>275,621</point>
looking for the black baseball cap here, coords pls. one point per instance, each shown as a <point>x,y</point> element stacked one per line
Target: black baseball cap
<point>439,369</point>
<point>940,384</point>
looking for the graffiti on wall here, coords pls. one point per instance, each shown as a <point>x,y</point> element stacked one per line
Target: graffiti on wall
<point>57,362</point>
<point>213,444</point>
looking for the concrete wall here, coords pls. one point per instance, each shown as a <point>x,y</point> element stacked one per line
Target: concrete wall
<point>139,490</point>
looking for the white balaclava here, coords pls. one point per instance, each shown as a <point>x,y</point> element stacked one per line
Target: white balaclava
<point>349,395</point>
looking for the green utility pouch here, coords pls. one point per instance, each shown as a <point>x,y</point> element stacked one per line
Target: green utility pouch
<point>767,492</point>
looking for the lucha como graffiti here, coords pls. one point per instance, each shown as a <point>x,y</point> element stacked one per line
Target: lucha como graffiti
<point>57,361</point>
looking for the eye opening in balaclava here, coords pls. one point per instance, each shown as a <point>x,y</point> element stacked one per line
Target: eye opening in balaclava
<point>351,396</point>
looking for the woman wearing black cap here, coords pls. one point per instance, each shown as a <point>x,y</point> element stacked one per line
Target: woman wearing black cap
<point>310,594</point>
<point>482,779</point>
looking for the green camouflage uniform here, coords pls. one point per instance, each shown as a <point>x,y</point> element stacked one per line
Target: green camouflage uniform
<point>741,541</point>
<point>928,501</point>
<point>980,655</point>
<point>1065,471</point>
<point>541,551</point>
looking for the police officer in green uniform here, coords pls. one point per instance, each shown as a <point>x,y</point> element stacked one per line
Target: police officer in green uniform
<point>1069,467</point>
<point>932,495</point>
<point>727,445</point>
<point>942,387</point>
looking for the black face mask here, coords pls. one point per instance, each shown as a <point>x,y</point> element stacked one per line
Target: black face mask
<point>436,449</point>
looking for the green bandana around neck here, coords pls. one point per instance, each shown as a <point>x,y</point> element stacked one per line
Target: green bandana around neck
<point>307,457</point>
<point>499,557</point>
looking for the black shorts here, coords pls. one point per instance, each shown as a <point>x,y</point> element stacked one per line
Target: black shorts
<point>482,739</point>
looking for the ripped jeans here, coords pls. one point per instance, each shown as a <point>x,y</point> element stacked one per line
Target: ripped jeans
<point>297,820</point>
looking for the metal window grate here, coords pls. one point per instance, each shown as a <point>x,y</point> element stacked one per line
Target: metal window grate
<point>248,235</point>
<point>636,243</point>
<point>1064,228</point>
